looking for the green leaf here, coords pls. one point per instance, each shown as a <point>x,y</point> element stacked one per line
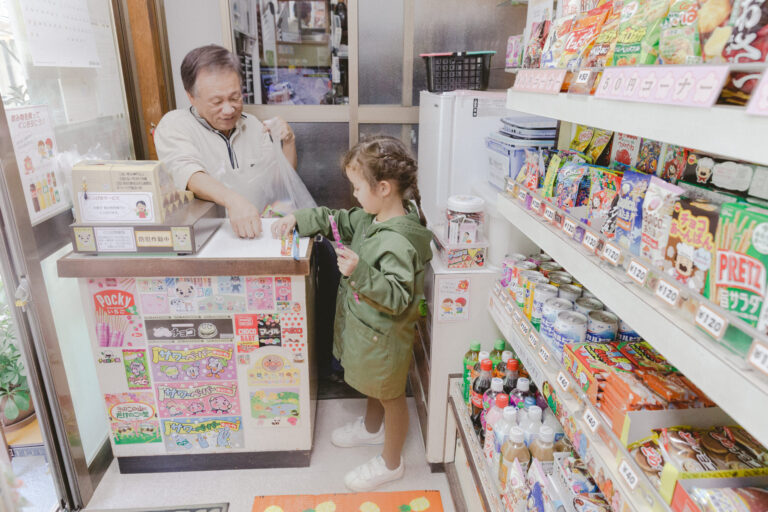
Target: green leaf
<point>21,400</point>
<point>11,411</point>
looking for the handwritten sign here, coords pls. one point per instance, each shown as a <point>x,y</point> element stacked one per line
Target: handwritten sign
<point>549,214</point>
<point>533,339</point>
<point>629,475</point>
<point>544,354</point>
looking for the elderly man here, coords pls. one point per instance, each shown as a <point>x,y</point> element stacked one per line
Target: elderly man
<point>212,148</point>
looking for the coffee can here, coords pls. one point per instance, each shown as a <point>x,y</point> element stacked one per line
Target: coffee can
<point>570,327</point>
<point>541,293</point>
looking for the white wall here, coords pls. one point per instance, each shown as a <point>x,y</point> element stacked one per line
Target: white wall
<point>190,23</point>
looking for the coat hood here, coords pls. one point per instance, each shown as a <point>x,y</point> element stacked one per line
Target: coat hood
<point>410,227</point>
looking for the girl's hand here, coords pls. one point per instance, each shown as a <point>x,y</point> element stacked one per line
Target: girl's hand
<point>347,261</point>
<point>283,226</point>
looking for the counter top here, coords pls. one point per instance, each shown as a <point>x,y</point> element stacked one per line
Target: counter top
<point>224,255</point>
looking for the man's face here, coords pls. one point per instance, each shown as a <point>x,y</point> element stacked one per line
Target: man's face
<point>218,98</point>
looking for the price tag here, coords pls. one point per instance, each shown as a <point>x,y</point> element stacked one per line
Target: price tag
<point>758,356</point>
<point>509,309</point>
<point>637,272</point>
<point>668,293</point>
<point>711,322</point>
<point>583,76</point>
<point>533,339</point>
<point>525,328</point>
<point>497,288</point>
<point>569,227</point>
<point>563,381</point>
<point>611,253</point>
<point>522,195</point>
<point>629,476</point>
<point>549,214</point>
<point>591,420</point>
<point>516,315</point>
<point>543,354</point>
<point>536,204</point>
<point>590,241</point>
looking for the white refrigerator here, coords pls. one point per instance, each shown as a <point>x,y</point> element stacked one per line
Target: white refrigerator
<point>453,160</point>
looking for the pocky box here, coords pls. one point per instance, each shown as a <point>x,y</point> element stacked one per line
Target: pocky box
<point>657,217</point>
<point>629,215</point>
<point>691,243</point>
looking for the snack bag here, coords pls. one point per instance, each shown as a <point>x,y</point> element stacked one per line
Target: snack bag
<point>671,163</point>
<point>556,163</point>
<point>531,174</point>
<point>583,34</point>
<point>625,150</point>
<point>601,54</point>
<point>538,36</point>
<point>598,144</point>
<point>714,28</point>
<point>514,51</point>
<point>582,138</point>
<point>717,173</point>
<point>659,201</point>
<point>679,42</point>
<point>558,35</point>
<point>639,29</point>
<point>691,243</point>
<point>725,498</point>
<point>568,184</point>
<point>571,7</point>
<point>629,216</point>
<point>648,156</point>
<point>655,14</point>
<point>747,43</point>
<point>603,190</point>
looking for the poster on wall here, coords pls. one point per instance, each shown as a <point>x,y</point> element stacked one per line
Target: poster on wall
<point>197,434</point>
<point>188,399</point>
<point>35,146</point>
<point>453,300</point>
<point>275,407</point>
<point>60,33</point>
<point>192,363</point>
<point>118,323</point>
<point>132,418</point>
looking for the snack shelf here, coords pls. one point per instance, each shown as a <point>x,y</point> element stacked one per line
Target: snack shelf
<point>596,444</point>
<point>487,488</point>
<point>725,377</point>
<point>724,130</point>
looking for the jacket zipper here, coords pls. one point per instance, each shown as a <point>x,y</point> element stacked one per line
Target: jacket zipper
<point>230,151</point>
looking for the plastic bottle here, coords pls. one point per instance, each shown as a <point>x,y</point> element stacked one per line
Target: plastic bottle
<point>498,348</point>
<point>470,359</point>
<point>513,449</point>
<point>528,402</point>
<point>489,398</point>
<point>511,375</point>
<point>542,448</point>
<point>474,373</point>
<point>500,370</point>
<point>532,424</point>
<point>479,386</point>
<point>492,418</point>
<point>517,396</point>
<point>501,432</point>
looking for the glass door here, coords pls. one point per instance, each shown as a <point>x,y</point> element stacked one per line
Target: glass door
<point>63,100</point>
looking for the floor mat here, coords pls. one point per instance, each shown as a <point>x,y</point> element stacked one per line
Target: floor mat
<point>217,507</point>
<point>401,501</point>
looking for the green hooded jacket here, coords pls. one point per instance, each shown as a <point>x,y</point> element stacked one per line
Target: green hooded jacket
<point>373,338</point>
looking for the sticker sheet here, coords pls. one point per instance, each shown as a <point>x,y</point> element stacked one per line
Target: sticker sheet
<point>195,434</point>
<point>273,370</point>
<point>136,369</point>
<point>132,418</point>
<point>260,292</point>
<point>275,407</point>
<point>269,330</point>
<point>192,363</point>
<point>453,300</point>
<point>247,332</point>
<point>293,331</point>
<point>187,399</point>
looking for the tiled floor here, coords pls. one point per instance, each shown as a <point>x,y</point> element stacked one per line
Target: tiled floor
<point>325,475</point>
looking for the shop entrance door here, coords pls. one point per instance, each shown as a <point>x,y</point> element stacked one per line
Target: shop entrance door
<point>63,100</point>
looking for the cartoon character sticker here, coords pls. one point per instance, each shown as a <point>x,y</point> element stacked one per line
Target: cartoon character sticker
<point>189,399</point>
<point>183,293</point>
<point>221,303</point>
<point>269,330</point>
<point>227,285</point>
<point>273,370</point>
<point>192,363</point>
<point>275,407</point>
<point>247,332</point>
<point>182,238</point>
<point>260,292</point>
<point>154,304</point>
<point>453,298</point>
<point>132,418</point>
<point>136,369</point>
<point>202,434</point>
<point>283,291</point>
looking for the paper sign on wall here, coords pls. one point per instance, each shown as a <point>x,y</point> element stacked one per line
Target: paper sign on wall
<point>133,418</point>
<point>453,299</point>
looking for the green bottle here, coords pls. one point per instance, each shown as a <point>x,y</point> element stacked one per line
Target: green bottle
<point>470,359</point>
<point>498,347</point>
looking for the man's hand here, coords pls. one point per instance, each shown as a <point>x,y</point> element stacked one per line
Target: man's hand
<point>347,260</point>
<point>283,226</point>
<point>244,217</point>
<point>277,127</point>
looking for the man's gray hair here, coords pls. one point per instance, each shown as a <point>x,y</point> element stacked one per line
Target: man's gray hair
<point>211,56</point>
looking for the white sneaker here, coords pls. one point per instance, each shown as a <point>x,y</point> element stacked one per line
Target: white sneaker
<point>373,474</point>
<point>355,434</point>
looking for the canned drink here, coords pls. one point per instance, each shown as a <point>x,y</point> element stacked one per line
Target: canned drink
<point>545,257</point>
<point>522,279</point>
<point>541,294</point>
<point>587,293</point>
<point>549,312</point>
<point>515,276</point>
<point>549,266</point>
<point>576,282</point>
<point>569,291</point>
<point>535,260</point>
<point>570,327</point>
<point>626,333</point>
<point>602,326</point>
<point>508,267</point>
<point>586,304</point>
<point>530,289</point>
<point>562,273</point>
<point>557,279</point>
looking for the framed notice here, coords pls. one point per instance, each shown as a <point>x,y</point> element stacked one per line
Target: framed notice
<point>453,299</point>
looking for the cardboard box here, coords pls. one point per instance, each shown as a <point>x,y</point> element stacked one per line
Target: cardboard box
<point>683,501</point>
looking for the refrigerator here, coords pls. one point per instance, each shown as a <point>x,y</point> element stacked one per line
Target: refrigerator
<point>453,159</point>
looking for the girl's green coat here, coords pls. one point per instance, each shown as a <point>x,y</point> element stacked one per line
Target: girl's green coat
<point>373,339</point>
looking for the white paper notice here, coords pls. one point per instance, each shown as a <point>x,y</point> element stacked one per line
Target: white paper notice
<point>35,146</point>
<point>133,207</point>
<point>60,33</point>
<point>453,299</point>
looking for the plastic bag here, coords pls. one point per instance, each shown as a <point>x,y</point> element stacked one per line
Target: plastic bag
<point>273,187</point>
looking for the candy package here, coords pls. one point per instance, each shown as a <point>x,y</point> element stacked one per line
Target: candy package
<point>556,162</point>
<point>558,34</point>
<point>648,455</point>
<point>569,182</point>
<point>648,156</point>
<point>625,150</point>
<point>603,190</point>
<point>657,217</point>
<point>714,28</point>
<point>723,499</point>
<point>629,216</point>
<point>537,38</point>
<point>671,163</point>
<point>582,138</point>
<point>679,41</point>
<point>532,172</point>
<point>581,37</point>
<point>598,147</point>
<point>718,173</point>
<point>514,51</point>
<point>748,42</point>
<point>601,54</point>
<point>639,29</point>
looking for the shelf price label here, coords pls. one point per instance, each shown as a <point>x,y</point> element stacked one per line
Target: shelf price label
<point>563,381</point>
<point>611,253</point>
<point>533,339</point>
<point>711,322</point>
<point>549,214</point>
<point>536,204</point>
<point>583,76</point>
<point>758,356</point>
<point>516,315</point>
<point>591,420</point>
<point>590,241</point>
<point>637,272</point>
<point>569,227</point>
<point>629,475</point>
<point>668,293</point>
<point>509,309</point>
<point>522,195</point>
<point>497,288</point>
<point>543,354</point>
<point>525,328</point>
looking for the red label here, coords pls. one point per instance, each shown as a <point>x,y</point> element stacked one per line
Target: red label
<point>652,456</point>
<point>114,302</point>
<point>477,399</point>
<point>737,270</point>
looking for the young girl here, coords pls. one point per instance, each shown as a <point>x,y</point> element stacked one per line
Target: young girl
<point>386,248</point>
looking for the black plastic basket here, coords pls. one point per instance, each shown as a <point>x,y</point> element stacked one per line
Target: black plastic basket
<point>458,70</point>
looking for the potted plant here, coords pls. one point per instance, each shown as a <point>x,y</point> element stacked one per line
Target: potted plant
<point>16,408</point>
